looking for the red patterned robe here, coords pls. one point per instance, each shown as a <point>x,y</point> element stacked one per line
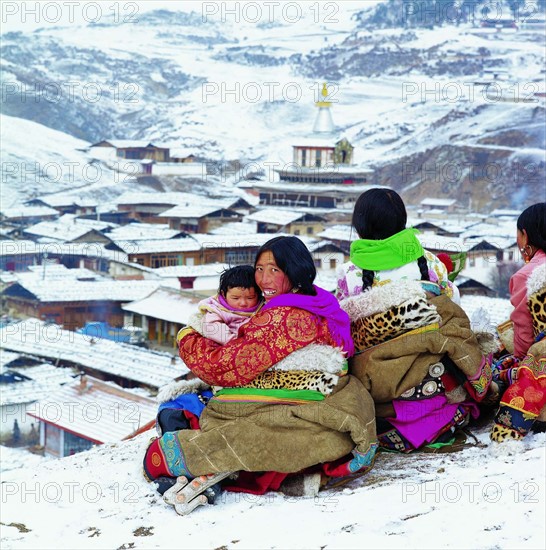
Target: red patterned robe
<point>267,338</point>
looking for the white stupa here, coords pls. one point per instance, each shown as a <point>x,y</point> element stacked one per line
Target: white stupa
<point>324,124</point>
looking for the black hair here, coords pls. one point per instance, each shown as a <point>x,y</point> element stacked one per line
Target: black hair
<point>533,221</point>
<point>380,214</point>
<point>239,276</point>
<point>294,260</point>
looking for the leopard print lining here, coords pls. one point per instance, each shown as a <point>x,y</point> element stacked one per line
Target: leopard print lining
<point>537,307</point>
<point>380,327</point>
<point>295,380</point>
<point>501,433</point>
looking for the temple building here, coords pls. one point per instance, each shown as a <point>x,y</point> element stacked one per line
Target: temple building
<point>322,173</point>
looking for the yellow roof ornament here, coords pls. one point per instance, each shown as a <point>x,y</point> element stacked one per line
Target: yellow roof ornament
<point>324,94</point>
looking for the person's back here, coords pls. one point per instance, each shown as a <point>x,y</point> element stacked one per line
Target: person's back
<point>522,375</point>
<point>388,251</point>
<point>414,343</point>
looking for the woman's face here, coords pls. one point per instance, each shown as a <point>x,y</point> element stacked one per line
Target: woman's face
<point>270,278</point>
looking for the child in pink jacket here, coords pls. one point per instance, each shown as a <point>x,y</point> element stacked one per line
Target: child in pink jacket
<point>238,299</point>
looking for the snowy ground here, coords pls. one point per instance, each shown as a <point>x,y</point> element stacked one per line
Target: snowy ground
<point>486,496</point>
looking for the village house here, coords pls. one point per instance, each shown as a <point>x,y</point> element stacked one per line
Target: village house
<point>162,314</point>
<point>230,249</point>
<point>142,157</point>
<point>271,220</point>
<point>162,252</point>
<point>24,216</point>
<point>340,235</point>
<point>65,205</point>
<point>90,412</point>
<point>67,229</point>
<point>197,249</point>
<point>23,381</point>
<point>138,231</point>
<point>16,256</point>
<point>71,297</point>
<point>149,207</point>
<point>127,365</point>
<point>432,207</point>
<point>197,218</point>
<point>326,255</point>
<point>196,277</point>
<point>470,287</point>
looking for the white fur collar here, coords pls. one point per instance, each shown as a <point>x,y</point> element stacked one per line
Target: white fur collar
<point>314,357</point>
<point>382,298</point>
<point>537,280</point>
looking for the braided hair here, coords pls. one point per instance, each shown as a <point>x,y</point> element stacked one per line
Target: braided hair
<point>380,214</point>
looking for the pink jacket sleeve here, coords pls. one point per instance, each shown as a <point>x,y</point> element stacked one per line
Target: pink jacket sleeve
<point>216,329</point>
<point>521,317</point>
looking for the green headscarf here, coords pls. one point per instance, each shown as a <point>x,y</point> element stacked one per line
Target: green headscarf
<point>396,251</point>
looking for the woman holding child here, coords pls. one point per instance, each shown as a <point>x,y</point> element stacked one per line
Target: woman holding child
<point>287,402</point>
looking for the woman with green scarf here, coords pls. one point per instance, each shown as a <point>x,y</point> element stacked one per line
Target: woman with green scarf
<point>415,350</point>
<point>386,250</point>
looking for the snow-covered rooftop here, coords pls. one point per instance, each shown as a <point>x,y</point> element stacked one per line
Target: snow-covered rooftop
<point>7,357</point>
<point>90,250</point>
<point>157,246</point>
<point>28,212</point>
<point>126,143</point>
<point>55,283</point>
<point>34,337</point>
<point>141,232</point>
<point>67,228</point>
<point>191,270</point>
<point>96,410</point>
<point>437,202</point>
<point>232,241</point>
<point>315,188</point>
<point>137,197</point>
<point>235,228</point>
<point>275,216</point>
<point>499,242</point>
<point>438,242</point>
<point>494,310</point>
<point>44,379</point>
<point>166,304</point>
<point>191,211</point>
<point>338,233</point>
<point>63,200</point>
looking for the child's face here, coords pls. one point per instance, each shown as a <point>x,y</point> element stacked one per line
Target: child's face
<point>241,298</point>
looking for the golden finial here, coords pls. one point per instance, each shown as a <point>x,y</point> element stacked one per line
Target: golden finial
<point>324,91</point>
<point>324,94</point>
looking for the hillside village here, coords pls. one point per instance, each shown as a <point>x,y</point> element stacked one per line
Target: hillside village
<point>97,276</point>
<point>76,279</point>
<point>120,212</point>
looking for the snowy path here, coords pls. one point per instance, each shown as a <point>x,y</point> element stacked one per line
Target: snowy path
<point>488,496</point>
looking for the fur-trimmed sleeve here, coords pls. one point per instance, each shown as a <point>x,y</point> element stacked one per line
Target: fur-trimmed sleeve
<point>267,338</point>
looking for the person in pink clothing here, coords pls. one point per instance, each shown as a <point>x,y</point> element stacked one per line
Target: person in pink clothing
<point>521,377</point>
<point>531,239</point>
<point>238,299</point>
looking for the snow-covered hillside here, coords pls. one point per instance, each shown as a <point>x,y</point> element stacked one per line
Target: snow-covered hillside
<point>242,85</point>
<point>486,496</point>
